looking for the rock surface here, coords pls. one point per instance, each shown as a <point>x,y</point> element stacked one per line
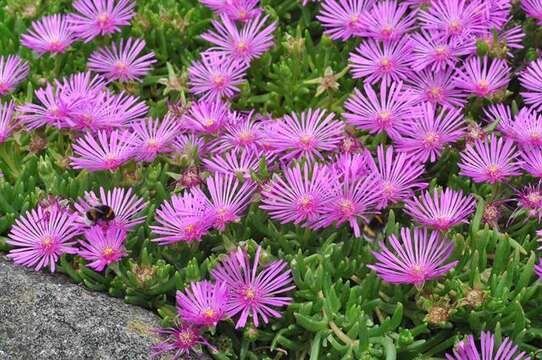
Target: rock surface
<point>44,316</point>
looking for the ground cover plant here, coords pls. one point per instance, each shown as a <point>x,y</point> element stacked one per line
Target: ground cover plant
<point>277,179</point>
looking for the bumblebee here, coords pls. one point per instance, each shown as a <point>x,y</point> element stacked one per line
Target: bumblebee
<point>99,213</point>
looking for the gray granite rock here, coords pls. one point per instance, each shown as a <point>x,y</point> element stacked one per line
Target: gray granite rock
<point>44,316</point>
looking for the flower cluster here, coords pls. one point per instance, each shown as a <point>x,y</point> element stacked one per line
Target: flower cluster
<point>43,235</point>
<point>240,288</point>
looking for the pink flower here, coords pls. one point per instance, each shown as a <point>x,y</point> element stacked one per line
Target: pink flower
<point>491,160</point>
<point>100,17</point>
<point>531,80</point>
<point>207,117</point>
<point>183,218</point>
<point>13,70</point>
<point>228,199</point>
<point>252,291</point>
<point>247,44</point>
<point>239,163</point>
<point>40,239</point>
<point>342,19</point>
<point>467,349</point>
<point>6,120</point>
<point>387,21</point>
<point>483,79</point>
<point>178,342</point>
<point>437,88</point>
<point>154,137</point>
<point>105,151</point>
<point>352,199</point>
<point>398,175</point>
<point>216,77</point>
<point>430,131</point>
<point>389,111</point>
<point>533,8</point>
<point>414,258</point>
<point>103,248</point>
<point>203,303</point>
<point>308,135</point>
<point>453,18</point>
<point>125,204</point>
<point>299,196</point>
<point>123,62</point>
<point>437,53</point>
<point>50,34</point>
<point>54,109</point>
<point>532,161</point>
<point>441,210</point>
<point>243,133</point>
<point>376,62</point>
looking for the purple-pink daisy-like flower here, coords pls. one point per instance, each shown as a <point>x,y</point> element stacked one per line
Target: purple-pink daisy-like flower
<point>352,199</point>
<point>80,87</point>
<point>53,110</point>
<point>437,53</point>
<point>203,303</point>
<point>382,62</point>
<point>50,34</point>
<point>479,78</point>
<point>126,207</point>
<point>398,175</point>
<point>252,291</point>
<point>299,196</point>
<point>243,133</point>
<point>103,151</point>
<point>207,117</point>
<point>531,161</point>
<point>308,135</point>
<point>178,342</point>
<point>106,110</point>
<point>6,120</point>
<point>245,44</point>
<point>352,165</point>
<point>239,163</point>
<point>100,17</point>
<point>13,70</point>
<point>387,21</point>
<point>468,350</point>
<point>183,218</point>
<point>154,137</point>
<point>103,247</point>
<point>40,239</point>
<point>497,14</point>
<point>123,61</point>
<point>414,258</point>
<point>216,77</point>
<point>389,112</point>
<point>490,160</point>
<point>441,210</point>
<point>228,198</point>
<point>430,131</point>
<point>453,18</point>
<point>437,88</point>
<point>237,10</point>
<point>530,199</point>
<point>242,10</point>
<point>533,8</point>
<point>531,80</point>
<point>342,19</point>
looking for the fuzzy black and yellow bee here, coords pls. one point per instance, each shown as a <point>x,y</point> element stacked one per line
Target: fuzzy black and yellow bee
<point>99,213</point>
